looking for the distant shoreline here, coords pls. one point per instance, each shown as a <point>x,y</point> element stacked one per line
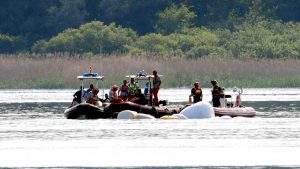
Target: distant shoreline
<point>52,71</point>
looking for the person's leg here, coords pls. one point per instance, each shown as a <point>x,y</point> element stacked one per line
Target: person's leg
<point>155,97</point>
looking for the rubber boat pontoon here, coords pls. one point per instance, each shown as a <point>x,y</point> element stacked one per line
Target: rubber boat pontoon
<point>234,109</point>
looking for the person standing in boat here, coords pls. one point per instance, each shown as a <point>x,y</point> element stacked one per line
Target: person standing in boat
<point>155,89</point>
<point>217,93</point>
<point>77,95</point>
<point>196,92</point>
<point>133,87</point>
<point>123,91</point>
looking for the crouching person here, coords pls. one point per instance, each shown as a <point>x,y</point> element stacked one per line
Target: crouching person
<point>92,97</point>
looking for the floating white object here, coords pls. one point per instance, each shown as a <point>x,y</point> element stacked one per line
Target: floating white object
<point>143,116</point>
<point>200,110</point>
<point>127,114</point>
<point>180,116</point>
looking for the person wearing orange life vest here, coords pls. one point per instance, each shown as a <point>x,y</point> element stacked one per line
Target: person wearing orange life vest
<point>196,92</point>
<point>155,89</point>
<point>123,91</point>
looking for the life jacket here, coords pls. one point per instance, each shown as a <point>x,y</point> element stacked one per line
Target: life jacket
<point>124,88</point>
<point>132,88</point>
<point>198,91</point>
<point>156,82</point>
<point>92,100</point>
<point>115,95</point>
<point>217,92</point>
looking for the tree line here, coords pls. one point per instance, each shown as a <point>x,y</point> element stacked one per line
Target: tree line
<point>234,28</point>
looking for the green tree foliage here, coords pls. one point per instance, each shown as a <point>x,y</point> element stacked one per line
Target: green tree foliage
<point>174,19</point>
<point>234,28</point>
<point>262,39</point>
<point>10,43</point>
<point>139,15</point>
<point>193,42</point>
<point>92,37</point>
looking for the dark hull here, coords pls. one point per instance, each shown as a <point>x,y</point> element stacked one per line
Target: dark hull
<point>157,112</point>
<point>86,111</point>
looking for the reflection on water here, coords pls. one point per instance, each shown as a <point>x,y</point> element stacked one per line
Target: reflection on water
<point>35,133</point>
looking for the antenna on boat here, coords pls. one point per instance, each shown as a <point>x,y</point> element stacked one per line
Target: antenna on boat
<point>101,73</point>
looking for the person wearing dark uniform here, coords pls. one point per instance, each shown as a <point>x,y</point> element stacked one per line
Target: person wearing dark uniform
<point>77,95</point>
<point>217,93</point>
<point>196,92</point>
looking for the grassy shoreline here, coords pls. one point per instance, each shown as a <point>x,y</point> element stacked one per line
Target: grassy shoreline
<point>59,71</point>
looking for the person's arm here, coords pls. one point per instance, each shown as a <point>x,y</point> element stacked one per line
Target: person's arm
<point>192,92</point>
<point>119,90</point>
<point>201,94</point>
<point>158,81</point>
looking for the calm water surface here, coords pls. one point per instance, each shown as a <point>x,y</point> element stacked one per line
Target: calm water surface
<point>34,133</point>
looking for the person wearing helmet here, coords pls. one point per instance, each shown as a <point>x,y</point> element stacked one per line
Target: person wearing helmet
<point>196,92</point>
<point>113,96</point>
<point>217,93</point>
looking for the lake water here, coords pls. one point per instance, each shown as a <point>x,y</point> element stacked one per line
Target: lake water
<point>35,133</point>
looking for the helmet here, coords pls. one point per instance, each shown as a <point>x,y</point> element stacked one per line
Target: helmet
<point>114,87</point>
<point>196,83</point>
<point>214,82</point>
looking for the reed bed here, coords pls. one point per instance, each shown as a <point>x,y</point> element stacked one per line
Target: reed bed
<point>60,70</point>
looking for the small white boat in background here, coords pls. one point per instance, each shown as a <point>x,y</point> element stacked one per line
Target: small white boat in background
<point>234,109</point>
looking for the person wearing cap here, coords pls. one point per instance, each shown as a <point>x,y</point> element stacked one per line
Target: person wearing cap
<point>217,93</point>
<point>196,92</point>
<point>123,91</point>
<point>155,89</point>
